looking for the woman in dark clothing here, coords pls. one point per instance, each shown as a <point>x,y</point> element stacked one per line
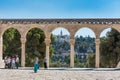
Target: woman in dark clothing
<point>45,62</point>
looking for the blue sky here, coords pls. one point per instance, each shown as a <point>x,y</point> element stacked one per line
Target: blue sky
<point>59,8</point>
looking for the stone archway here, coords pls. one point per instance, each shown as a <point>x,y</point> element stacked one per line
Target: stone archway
<point>84,49</point>
<point>47,25</point>
<point>35,46</point>
<point>110,57</point>
<point>11,36</point>
<point>11,43</point>
<point>61,47</point>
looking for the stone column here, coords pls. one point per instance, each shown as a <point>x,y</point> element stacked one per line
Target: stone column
<point>47,42</point>
<point>1,47</point>
<point>72,41</point>
<point>1,52</point>
<point>23,41</point>
<point>97,58</point>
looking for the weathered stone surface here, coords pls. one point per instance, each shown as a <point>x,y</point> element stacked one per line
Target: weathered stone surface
<point>13,74</point>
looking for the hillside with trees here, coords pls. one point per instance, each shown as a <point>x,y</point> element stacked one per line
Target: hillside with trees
<point>83,46</point>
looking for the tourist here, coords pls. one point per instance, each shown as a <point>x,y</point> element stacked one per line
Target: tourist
<point>36,64</point>
<point>6,62</point>
<point>17,62</point>
<point>45,62</point>
<point>13,63</point>
<point>9,62</point>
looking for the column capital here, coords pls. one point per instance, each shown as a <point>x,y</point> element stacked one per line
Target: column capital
<point>47,42</point>
<point>97,41</point>
<point>72,41</point>
<point>23,40</point>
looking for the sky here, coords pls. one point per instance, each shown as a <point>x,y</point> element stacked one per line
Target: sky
<point>81,32</point>
<point>60,9</point>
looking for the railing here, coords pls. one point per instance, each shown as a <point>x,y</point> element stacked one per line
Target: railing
<point>61,21</point>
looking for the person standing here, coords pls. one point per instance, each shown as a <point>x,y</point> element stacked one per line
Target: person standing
<point>6,62</point>
<point>36,66</point>
<point>9,62</point>
<point>45,63</point>
<point>17,62</point>
<point>13,63</point>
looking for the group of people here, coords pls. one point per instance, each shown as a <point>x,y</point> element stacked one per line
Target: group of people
<point>11,62</point>
<point>37,65</point>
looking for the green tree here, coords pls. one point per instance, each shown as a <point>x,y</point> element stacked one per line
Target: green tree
<point>91,60</point>
<point>11,43</point>
<point>110,49</point>
<point>35,46</point>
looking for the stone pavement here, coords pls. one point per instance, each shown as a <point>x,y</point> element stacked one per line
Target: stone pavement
<point>59,74</point>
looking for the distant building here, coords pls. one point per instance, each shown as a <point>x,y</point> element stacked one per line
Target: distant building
<point>62,38</point>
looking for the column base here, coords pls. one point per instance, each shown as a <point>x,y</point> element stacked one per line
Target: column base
<point>2,64</point>
<point>71,66</point>
<point>97,66</point>
<point>22,65</point>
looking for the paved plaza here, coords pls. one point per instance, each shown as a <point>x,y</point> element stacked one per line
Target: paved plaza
<point>60,74</point>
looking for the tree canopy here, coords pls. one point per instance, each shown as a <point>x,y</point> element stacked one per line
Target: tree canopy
<point>11,43</point>
<point>110,49</point>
